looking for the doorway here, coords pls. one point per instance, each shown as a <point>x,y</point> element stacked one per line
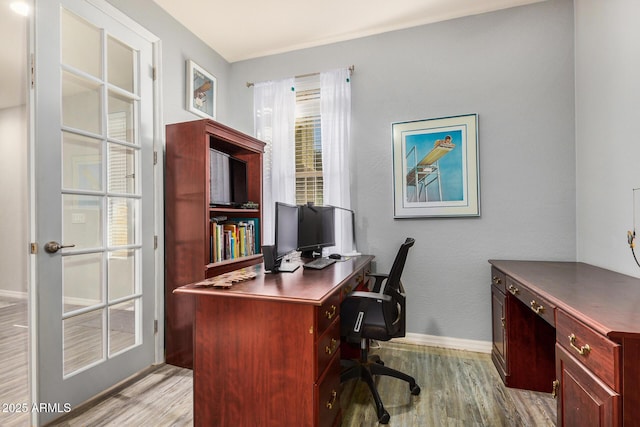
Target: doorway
<point>14,219</point>
<point>93,204</point>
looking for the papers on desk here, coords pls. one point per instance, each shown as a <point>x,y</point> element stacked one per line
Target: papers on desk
<point>226,280</point>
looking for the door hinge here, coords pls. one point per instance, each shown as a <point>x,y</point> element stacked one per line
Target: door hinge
<point>33,71</point>
<point>154,74</point>
<point>155,158</point>
<point>155,242</point>
<point>155,326</point>
<point>33,248</point>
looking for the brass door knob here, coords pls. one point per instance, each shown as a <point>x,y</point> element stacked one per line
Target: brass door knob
<point>53,247</point>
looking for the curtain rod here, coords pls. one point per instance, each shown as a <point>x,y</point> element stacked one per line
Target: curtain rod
<point>351,70</point>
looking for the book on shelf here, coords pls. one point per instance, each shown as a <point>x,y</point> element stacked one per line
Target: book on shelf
<point>233,238</point>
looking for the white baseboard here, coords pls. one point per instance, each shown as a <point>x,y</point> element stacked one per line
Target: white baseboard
<point>446,342</point>
<point>81,302</point>
<point>68,300</point>
<point>13,294</point>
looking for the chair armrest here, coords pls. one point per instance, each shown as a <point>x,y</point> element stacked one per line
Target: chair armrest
<point>369,295</point>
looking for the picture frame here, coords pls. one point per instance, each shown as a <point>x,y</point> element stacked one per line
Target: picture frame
<point>202,90</point>
<point>436,167</point>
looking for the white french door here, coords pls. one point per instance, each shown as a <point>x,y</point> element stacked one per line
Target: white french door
<point>93,173</point>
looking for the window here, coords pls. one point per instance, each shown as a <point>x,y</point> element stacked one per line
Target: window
<point>306,158</point>
<point>308,141</point>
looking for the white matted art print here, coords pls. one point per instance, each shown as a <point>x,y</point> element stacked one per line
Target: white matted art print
<point>436,167</point>
<point>201,91</point>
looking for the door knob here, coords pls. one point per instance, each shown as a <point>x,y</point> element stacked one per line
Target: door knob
<point>53,247</point>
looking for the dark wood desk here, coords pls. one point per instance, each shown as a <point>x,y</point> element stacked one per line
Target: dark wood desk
<point>572,329</point>
<point>267,351</point>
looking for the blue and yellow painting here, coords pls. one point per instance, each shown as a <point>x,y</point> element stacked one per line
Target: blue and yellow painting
<point>434,166</point>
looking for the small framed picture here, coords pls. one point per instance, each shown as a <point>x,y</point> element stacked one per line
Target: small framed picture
<point>201,91</point>
<point>436,167</point>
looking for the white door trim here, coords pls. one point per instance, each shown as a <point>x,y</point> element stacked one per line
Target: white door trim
<point>158,226</point>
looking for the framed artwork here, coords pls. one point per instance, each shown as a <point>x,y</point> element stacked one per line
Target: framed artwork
<point>436,167</point>
<point>202,90</point>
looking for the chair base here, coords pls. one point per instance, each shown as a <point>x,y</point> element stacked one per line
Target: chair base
<point>366,370</point>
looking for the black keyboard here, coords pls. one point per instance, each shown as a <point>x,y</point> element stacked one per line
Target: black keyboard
<point>319,263</point>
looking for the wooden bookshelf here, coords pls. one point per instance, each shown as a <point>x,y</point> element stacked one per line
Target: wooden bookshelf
<point>188,214</point>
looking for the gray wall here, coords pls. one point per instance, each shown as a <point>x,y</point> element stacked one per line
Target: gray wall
<point>179,45</point>
<point>607,116</point>
<point>14,214</point>
<point>515,69</point>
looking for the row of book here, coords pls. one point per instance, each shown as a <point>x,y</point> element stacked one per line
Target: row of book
<point>234,238</point>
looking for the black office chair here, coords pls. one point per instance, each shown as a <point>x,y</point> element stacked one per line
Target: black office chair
<point>378,315</point>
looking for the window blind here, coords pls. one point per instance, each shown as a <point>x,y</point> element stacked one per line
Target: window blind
<point>309,182</point>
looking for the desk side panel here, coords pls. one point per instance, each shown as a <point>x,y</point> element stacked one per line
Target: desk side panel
<point>253,362</point>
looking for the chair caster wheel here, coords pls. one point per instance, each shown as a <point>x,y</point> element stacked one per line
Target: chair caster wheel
<point>415,390</point>
<point>384,418</point>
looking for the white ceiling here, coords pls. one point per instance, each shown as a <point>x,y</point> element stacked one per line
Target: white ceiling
<point>244,29</point>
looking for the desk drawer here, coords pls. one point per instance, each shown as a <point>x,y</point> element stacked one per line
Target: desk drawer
<point>327,346</point>
<point>327,395</point>
<point>355,281</point>
<point>538,305</point>
<point>327,313</point>
<point>498,279</point>
<point>595,351</point>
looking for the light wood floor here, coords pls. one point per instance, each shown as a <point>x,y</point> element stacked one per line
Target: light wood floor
<point>458,389</point>
<point>14,384</point>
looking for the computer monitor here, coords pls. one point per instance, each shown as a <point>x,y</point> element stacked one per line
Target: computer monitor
<point>286,231</point>
<point>316,229</point>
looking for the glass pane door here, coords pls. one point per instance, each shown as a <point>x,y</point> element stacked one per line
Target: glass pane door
<point>96,278</point>
<point>100,195</point>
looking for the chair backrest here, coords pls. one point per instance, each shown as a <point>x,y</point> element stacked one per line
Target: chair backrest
<point>398,265</point>
<point>394,310</point>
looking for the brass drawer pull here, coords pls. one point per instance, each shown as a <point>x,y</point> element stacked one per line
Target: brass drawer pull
<point>332,401</point>
<point>537,308</point>
<point>582,351</point>
<point>513,290</point>
<point>329,349</point>
<point>496,280</point>
<point>331,313</point>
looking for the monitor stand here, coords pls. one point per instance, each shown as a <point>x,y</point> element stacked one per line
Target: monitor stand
<point>310,254</point>
<point>288,267</point>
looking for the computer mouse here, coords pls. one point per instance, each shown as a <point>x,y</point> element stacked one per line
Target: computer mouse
<point>335,256</point>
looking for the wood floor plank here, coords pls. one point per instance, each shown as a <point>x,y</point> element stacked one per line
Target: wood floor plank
<point>14,385</point>
<point>459,389</point>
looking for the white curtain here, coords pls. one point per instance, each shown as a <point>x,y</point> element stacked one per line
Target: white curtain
<point>274,104</point>
<point>335,117</point>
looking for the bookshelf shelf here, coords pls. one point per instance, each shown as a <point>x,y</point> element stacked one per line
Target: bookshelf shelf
<point>235,263</point>
<point>234,211</point>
